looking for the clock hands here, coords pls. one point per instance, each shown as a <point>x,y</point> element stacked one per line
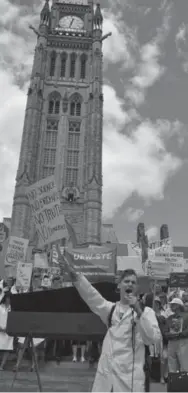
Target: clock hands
<point>71,22</point>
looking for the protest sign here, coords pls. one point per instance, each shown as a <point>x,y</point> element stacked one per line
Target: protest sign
<point>23,275</point>
<point>41,260</point>
<point>175,260</point>
<point>178,280</point>
<point>16,251</point>
<point>46,278</point>
<point>97,264</point>
<point>158,269</point>
<point>186,265</point>
<point>47,211</point>
<point>163,255</point>
<point>130,262</point>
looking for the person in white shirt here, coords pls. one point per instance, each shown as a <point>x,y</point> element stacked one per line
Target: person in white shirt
<point>121,364</point>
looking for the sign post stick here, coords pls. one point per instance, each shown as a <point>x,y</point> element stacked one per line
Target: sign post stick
<point>154,292</point>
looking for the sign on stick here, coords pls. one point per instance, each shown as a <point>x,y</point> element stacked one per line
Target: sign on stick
<point>46,210</point>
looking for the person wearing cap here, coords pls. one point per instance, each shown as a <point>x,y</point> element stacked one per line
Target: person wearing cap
<point>177,336</point>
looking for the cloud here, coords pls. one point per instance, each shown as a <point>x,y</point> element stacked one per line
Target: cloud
<point>133,215</point>
<point>148,69</point>
<point>152,232</point>
<point>181,41</point>
<point>16,56</point>
<point>136,163</point>
<point>123,35</point>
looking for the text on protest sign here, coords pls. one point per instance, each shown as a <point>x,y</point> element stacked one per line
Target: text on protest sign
<point>23,275</point>
<point>16,251</point>
<point>46,210</point>
<point>158,269</point>
<point>41,260</point>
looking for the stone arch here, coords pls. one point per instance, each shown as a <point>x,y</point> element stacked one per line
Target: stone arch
<point>76,104</point>
<point>54,100</point>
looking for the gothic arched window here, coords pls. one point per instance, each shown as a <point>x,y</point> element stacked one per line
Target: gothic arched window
<point>63,65</point>
<point>72,65</point>
<point>52,63</point>
<point>76,105</point>
<point>54,103</point>
<point>83,61</point>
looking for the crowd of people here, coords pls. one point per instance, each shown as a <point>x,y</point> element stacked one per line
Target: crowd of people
<point>160,341</point>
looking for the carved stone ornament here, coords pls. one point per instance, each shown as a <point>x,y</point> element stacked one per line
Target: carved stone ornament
<point>23,179</point>
<point>70,194</point>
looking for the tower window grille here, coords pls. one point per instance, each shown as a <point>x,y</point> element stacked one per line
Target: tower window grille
<point>51,107</point>
<point>72,108</point>
<point>57,107</point>
<point>72,166</point>
<point>51,139</point>
<point>52,64</point>
<point>49,157</point>
<point>71,176</point>
<point>48,171</point>
<point>75,105</point>
<point>83,61</point>
<point>54,103</point>
<point>63,65</point>
<point>72,65</point>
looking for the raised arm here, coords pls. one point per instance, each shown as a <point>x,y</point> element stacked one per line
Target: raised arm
<point>90,295</point>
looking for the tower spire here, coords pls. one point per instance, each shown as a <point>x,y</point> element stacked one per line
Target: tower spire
<point>45,13</point>
<point>98,18</point>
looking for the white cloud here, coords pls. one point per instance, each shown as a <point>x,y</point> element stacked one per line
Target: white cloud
<point>136,163</point>
<point>133,215</point>
<point>148,69</point>
<point>181,41</point>
<point>121,45</point>
<point>152,232</point>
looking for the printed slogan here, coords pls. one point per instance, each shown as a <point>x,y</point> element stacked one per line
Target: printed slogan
<point>46,211</point>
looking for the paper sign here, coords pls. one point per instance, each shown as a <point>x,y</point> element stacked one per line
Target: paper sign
<point>164,255</point>
<point>16,251</point>
<point>47,211</point>
<point>23,276</point>
<point>178,280</point>
<point>158,269</point>
<point>41,260</point>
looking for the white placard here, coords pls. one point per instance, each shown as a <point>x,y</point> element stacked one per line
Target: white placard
<point>47,211</point>
<point>41,260</point>
<point>16,251</point>
<point>23,275</point>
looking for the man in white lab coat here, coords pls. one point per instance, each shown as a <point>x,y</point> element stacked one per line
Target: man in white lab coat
<point>120,367</point>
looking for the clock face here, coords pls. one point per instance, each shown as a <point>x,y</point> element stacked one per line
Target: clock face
<point>71,22</point>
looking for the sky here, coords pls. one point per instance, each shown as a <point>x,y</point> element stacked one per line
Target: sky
<point>145,138</point>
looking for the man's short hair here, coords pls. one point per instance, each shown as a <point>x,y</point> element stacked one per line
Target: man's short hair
<point>126,273</point>
<point>45,276</point>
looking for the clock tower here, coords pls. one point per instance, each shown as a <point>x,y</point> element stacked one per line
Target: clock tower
<point>62,132</point>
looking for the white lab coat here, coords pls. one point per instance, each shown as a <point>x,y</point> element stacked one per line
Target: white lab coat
<point>6,342</point>
<point>115,365</point>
